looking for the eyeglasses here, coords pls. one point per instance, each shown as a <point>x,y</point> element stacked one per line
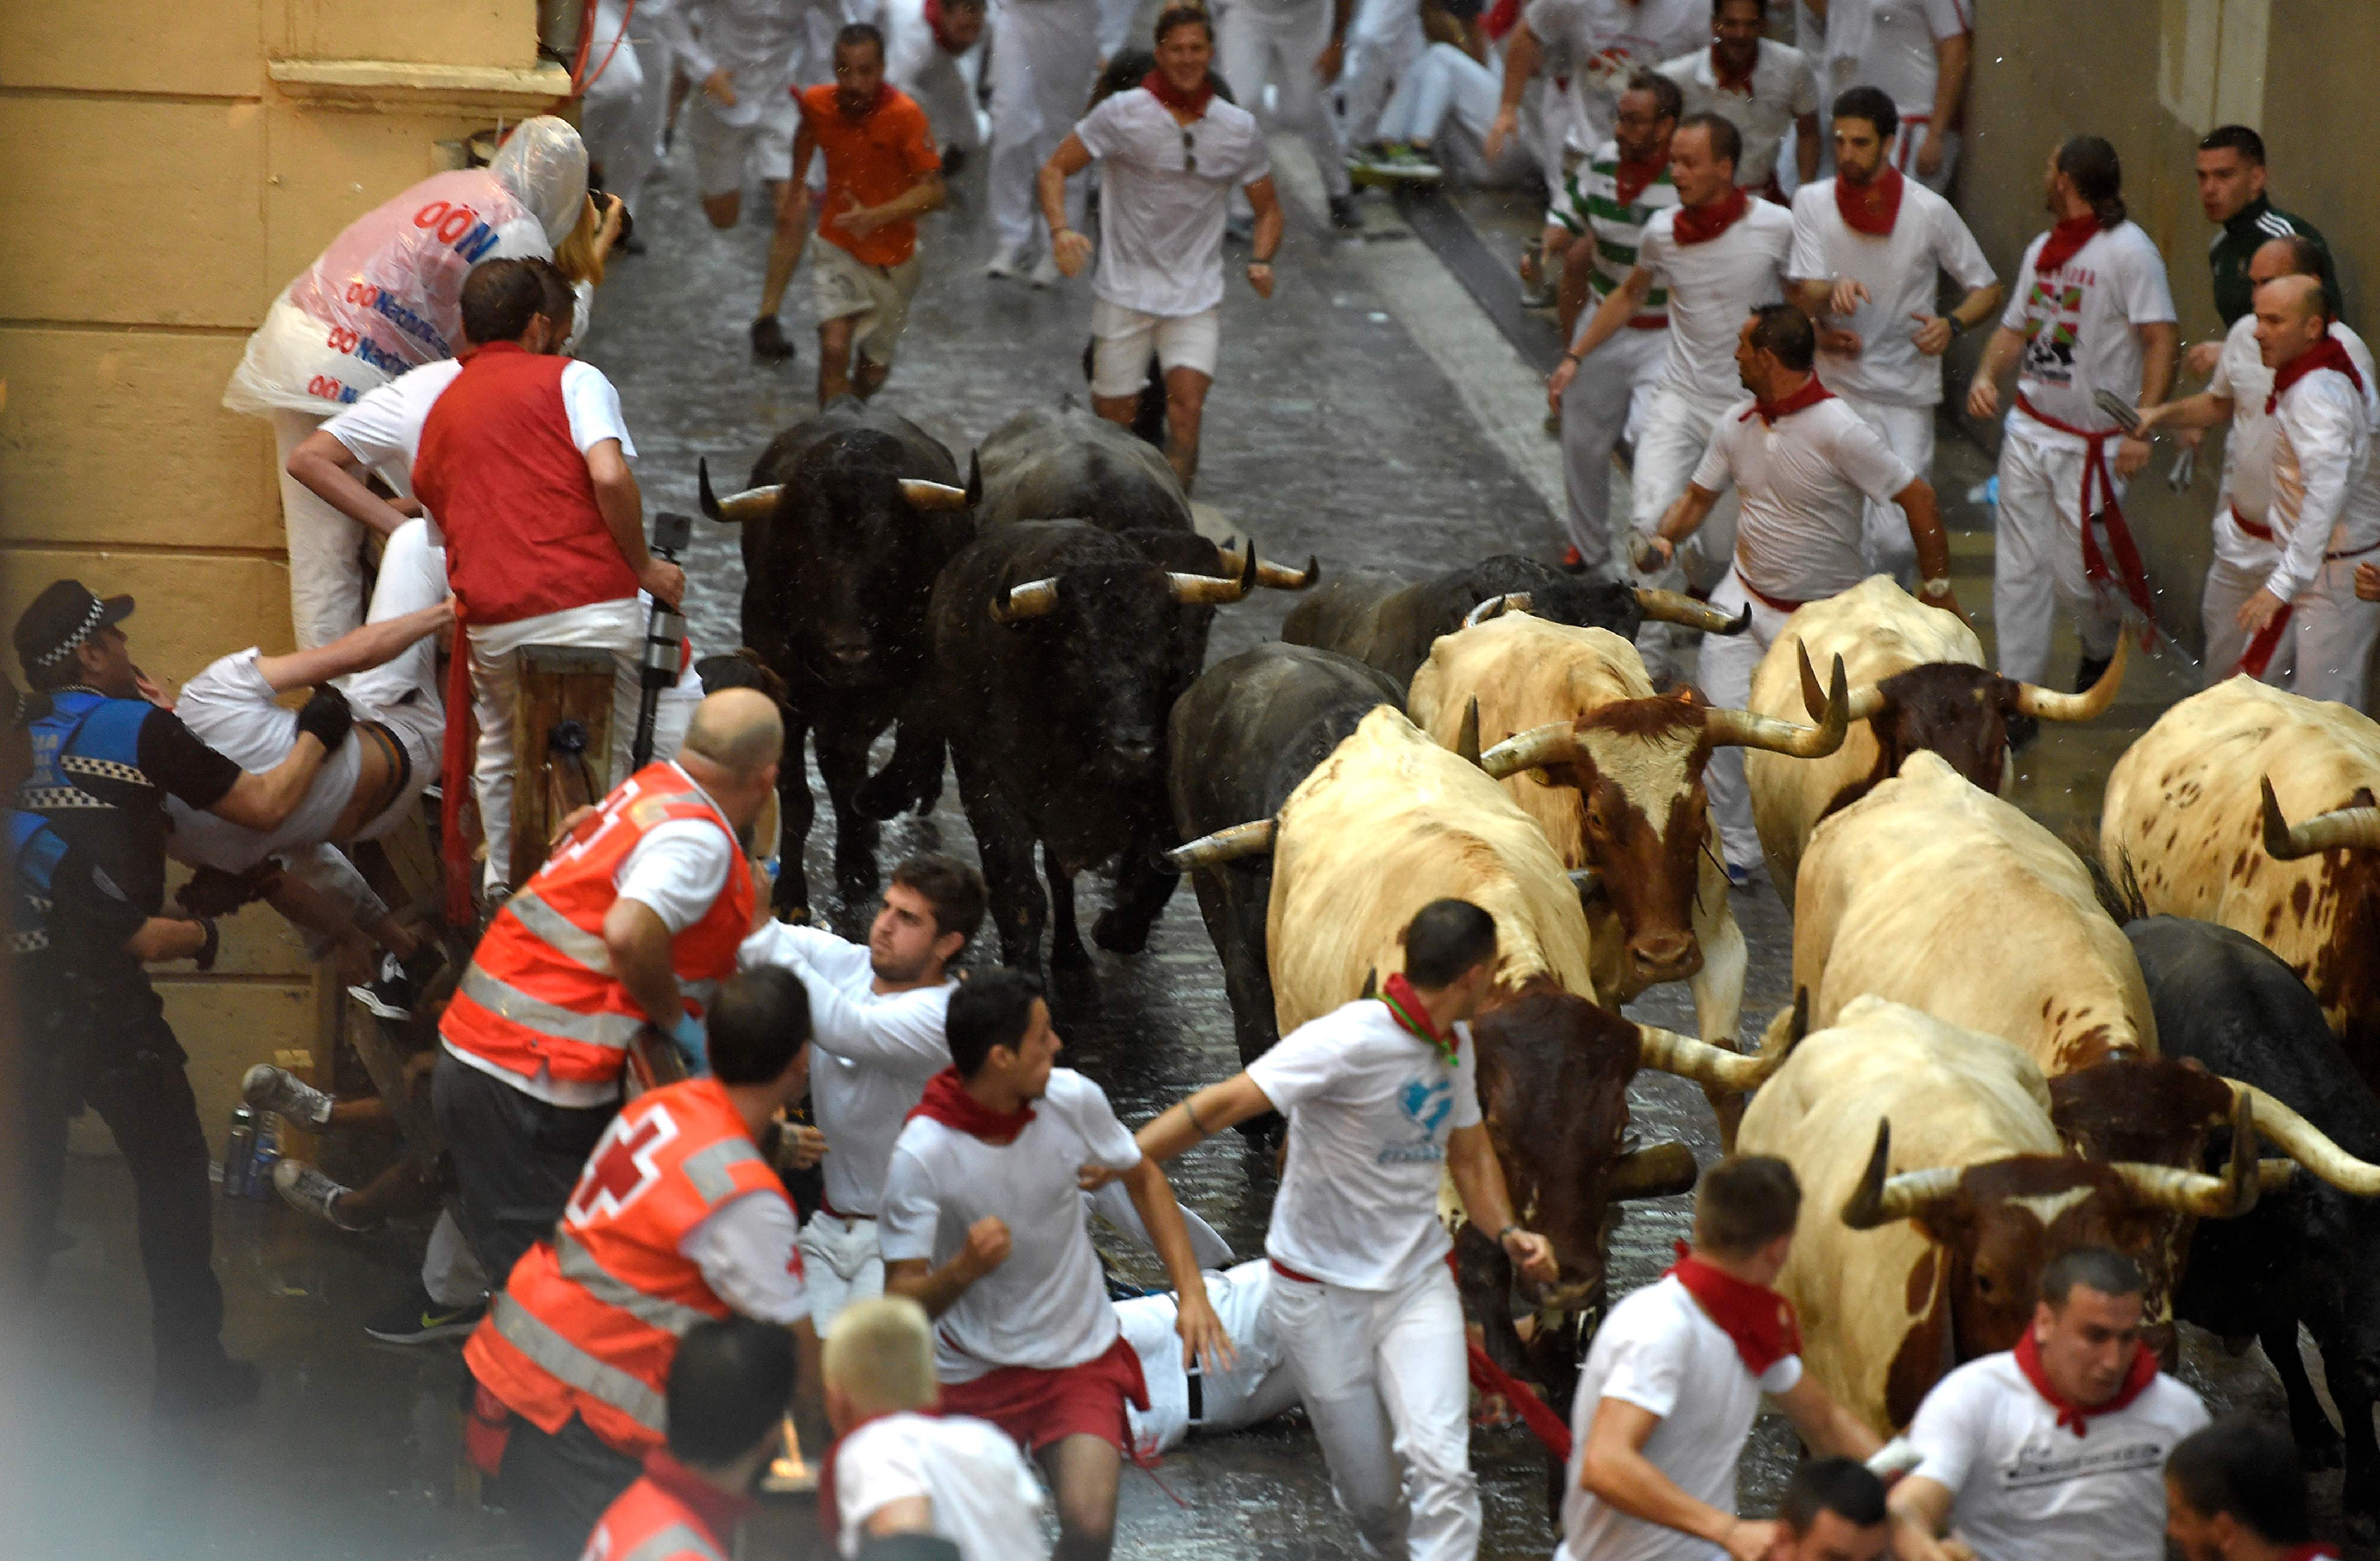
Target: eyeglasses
<point>1189,152</point>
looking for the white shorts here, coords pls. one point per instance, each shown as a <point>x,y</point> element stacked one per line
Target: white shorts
<point>726,156</point>
<point>1122,339</point>
<point>841,284</point>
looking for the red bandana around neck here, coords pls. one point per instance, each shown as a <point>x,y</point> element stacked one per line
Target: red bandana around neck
<point>1871,208</point>
<point>1405,1006</point>
<point>1630,179</point>
<point>2324,354</point>
<point>1810,395</point>
<point>947,1102</point>
<point>1193,103</point>
<point>2074,1417</point>
<point>1700,225</point>
<point>2064,241</point>
<point>1756,1318</point>
<point>1726,84</point>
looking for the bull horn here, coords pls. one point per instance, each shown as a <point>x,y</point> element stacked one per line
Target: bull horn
<point>1741,728</point>
<point>923,494</point>
<point>1553,743</point>
<point>1466,739</point>
<point>1214,589</point>
<point>1224,844</point>
<point>752,503</point>
<point>975,478</point>
<point>1584,880</point>
<point>1676,606</point>
<point>1880,1199</point>
<point>2214,1198</point>
<point>2275,1175</point>
<point>2308,1145</point>
<point>1371,982</point>
<point>1661,1171</point>
<point>1034,599</point>
<point>1713,1067</point>
<point>2343,829</point>
<point>1497,607</point>
<point>1865,700</point>
<point>2046,705</point>
<point>1271,576</point>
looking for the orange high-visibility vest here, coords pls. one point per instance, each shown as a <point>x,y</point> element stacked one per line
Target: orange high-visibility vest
<point>666,1516</point>
<point>589,1320</point>
<point>540,990</point>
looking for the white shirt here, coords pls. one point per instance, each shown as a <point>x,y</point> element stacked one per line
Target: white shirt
<point>230,707</point>
<point>1889,44</point>
<point>758,41</point>
<point>1160,221</point>
<point>1899,272</point>
<point>1661,1352</point>
<point>384,427</point>
<point>2322,492</point>
<point>984,1498</point>
<point>1046,1307</point>
<point>2242,378</point>
<point>1784,87</point>
<point>746,1250</point>
<point>1599,43</point>
<point>871,1053</point>
<point>2079,328</point>
<point>2027,1487</point>
<point>1370,1107</point>
<point>1804,482</point>
<point>1713,286</point>
<point>1239,1295</point>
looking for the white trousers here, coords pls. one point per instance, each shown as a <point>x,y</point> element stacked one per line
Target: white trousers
<point>1383,40</point>
<point>840,1265</point>
<point>1672,433</point>
<point>1557,118</point>
<point>1259,44</point>
<point>621,115</point>
<point>326,565</point>
<point>1043,64</point>
<point>1908,432</point>
<point>2037,563</point>
<point>2326,651</point>
<point>2226,591</point>
<point>1387,1386</point>
<point>412,575</point>
<point>1615,382</point>
<point>1726,669</point>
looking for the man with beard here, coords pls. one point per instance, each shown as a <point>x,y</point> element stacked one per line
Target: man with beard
<point>876,1019</point>
<point>1762,86</point>
<point>1868,247</point>
<point>2234,1492</point>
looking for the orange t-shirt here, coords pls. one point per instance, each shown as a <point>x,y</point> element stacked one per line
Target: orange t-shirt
<point>873,158</point>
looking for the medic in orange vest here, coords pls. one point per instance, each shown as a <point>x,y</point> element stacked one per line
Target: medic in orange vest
<point>676,1221</point>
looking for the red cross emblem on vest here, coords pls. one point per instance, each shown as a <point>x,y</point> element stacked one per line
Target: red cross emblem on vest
<point>624,1165</point>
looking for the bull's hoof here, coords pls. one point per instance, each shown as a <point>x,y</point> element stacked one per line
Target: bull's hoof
<point>856,876</point>
<point>885,797</point>
<point>2321,1449</point>
<point>1066,954</point>
<point>1113,932</point>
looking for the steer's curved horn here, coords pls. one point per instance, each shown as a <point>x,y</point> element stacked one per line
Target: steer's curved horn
<point>1865,699</point>
<point>1676,606</point>
<point>1466,739</point>
<point>1212,588</point>
<point>1224,844</point>
<point>923,494</point>
<point>1034,599</point>
<point>1371,982</point>
<point>1552,743</point>
<point>975,478</point>
<point>2215,1198</point>
<point>1273,576</point>
<point>1880,1199</point>
<point>752,503</point>
<point>2050,705</point>
<point>2309,1145</point>
<point>1741,728</point>
<point>1702,1062</point>
<point>1497,607</point>
<point>2344,829</point>
<point>1658,1171</point>
<point>1584,880</point>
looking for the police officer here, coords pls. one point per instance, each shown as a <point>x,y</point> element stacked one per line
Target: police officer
<point>90,827</point>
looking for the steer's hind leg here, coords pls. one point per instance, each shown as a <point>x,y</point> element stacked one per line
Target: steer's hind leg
<point>1066,950</point>
<point>912,779</point>
<point>795,812</point>
<point>1004,843</point>
<point>843,763</point>
<point>2317,1439</point>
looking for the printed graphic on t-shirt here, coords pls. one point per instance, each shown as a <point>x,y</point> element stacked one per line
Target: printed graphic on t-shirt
<point>2053,323</point>
<point>2058,1457</point>
<point>1426,1101</point>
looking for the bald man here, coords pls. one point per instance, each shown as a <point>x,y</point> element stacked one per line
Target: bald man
<point>628,927</point>
<point>2301,505</point>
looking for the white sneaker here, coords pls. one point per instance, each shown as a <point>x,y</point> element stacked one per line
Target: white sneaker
<point>1004,265</point>
<point>303,1187</point>
<point>267,1088</point>
<point>1045,272</point>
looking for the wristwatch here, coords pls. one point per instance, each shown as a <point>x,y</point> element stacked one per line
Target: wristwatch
<point>1936,588</point>
<point>1958,326</point>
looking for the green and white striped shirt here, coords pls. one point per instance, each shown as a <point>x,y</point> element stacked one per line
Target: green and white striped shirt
<point>1593,211</point>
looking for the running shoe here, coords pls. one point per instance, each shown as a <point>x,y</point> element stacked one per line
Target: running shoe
<point>390,993</point>
<point>267,1088</point>
<point>1005,265</point>
<point>419,1320</point>
<point>1403,161</point>
<point>307,1189</point>
<point>1344,215</point>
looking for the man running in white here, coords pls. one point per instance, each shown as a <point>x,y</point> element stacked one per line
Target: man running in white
<point>1171,151</point>
<point>1762,86</point>
<point>1601,43</point>
<point>1804,464</point>
<point>983,1227</point>
<point>1869,248</point>
<point>1918,51</point>
<point>1382,1105</point>
<point>1673,1380</point>
<point>1599,393</point>
<point>876,1037</point>
<point>936,59</point>
<point>1284,45</point>
<point>1042,71</point>
<point>2300,625</point>
<point>2089,312</point>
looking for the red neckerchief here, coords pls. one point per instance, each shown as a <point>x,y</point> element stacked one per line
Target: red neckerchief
<point>1405,1006</point>
<point>1871,208</point>
<point>1501,17</point>
<point>1810,395</point>
<point>934,21</point>
<point>468,353</point>
<point>1193,103</point>
<point>1759,1320</point>
<point>1630,179</point>
<point>2065,239</point>
<point>1700,225</point>
<point>830,1513</point>
<point>948,1102</point>
<point>718,1511</point>
<point>2075,1416</point>
<point>1726,84</point>
<point>2324,354</point>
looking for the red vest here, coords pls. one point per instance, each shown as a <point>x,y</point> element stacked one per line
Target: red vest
<point>668,1515</point>
<point>539,989</point>
<point>589,1320</point>
<point>510,489</point>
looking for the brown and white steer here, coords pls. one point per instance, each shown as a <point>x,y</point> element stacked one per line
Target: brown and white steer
<point>2251,808</point>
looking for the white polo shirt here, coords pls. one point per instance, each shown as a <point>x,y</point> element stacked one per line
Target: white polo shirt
<point>1370,1107</point>
<point>1713,287</point>
<point>1046,1307</point>
<point>2322,494</point>
<point>1804,484</point>
<point>982,1496</point>
<point>2078,328</point>
<point>1900,271</point>
<point>1160,218</point>
<point>2026,1486</point>
<point>1889,44</point>
<point>1784,87</point>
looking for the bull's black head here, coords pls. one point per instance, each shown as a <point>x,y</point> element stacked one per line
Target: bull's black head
<point>1958,712</point>
<point>853,561</point>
